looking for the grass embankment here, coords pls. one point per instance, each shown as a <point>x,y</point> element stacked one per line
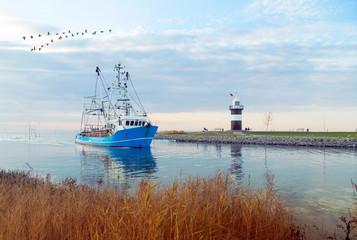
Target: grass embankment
<point>209,133</point>
<point>304,134</point>
<point>198,208</point>
<point>269,133</point>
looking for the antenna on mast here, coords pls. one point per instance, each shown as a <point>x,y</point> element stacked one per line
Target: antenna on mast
<point>118,67</point>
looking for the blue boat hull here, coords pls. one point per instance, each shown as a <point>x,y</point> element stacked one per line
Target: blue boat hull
<point>134,137</point>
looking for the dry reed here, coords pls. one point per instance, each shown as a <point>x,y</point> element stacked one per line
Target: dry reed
<point>198,208</point>
<point>349,224</point>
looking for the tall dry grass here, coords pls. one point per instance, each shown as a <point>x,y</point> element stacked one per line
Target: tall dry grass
<point>198,208</point>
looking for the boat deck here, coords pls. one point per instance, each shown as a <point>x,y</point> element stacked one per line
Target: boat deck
<point>96,133</point>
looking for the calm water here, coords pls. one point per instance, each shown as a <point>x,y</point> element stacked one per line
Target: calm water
<point>317,182</point>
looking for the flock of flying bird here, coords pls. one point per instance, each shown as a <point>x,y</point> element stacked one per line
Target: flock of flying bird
<point>59,36</point>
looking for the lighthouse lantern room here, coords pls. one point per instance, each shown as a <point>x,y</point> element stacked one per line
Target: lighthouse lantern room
<point>236,114</point>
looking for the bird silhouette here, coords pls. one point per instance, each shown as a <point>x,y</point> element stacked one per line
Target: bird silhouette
<point>66,34</point>
<point>24,38</point>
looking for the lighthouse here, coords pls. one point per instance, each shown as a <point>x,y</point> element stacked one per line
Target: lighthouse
<point>236,114</point>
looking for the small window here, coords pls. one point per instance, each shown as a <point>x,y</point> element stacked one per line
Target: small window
<point>131,123</point>
<point>136,123</point>
<point>127,123</point>
<point>139,123</point>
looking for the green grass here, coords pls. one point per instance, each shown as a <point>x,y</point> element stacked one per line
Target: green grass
<point>305,134</point>
<point>224,133</point>
<point>269,133</point>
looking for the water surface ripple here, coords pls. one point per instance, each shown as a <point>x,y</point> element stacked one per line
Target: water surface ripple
<point>316,181</point>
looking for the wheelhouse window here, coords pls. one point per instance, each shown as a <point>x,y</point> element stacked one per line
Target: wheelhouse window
<point>136,123</point>
<point>127,123</point>
<point>131,123</point>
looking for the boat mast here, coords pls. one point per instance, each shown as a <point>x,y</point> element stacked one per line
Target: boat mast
<point>118,68</point>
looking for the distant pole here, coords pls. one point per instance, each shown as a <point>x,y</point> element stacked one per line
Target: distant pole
<point>324,123</point>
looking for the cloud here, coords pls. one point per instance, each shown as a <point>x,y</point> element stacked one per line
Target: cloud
<point>184,67</point>
<point>287,10</point>
<point>288,68</point>
<point>14,29</point>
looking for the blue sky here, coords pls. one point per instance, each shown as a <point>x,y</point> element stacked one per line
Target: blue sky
<point>297,59</point>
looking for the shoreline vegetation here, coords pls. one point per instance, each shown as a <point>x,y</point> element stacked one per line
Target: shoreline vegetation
<point>197,208</point>
<point>211,207</point>
<point>309,139</point>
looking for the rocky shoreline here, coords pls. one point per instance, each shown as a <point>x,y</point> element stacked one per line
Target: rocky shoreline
<point>340,142</point>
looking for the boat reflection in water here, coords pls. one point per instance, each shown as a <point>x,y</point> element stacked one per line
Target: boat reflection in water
<point>119,166</point>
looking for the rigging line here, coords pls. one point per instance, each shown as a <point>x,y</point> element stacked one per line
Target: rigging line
<point>132,98</point>
<point>136,93</point>
<point>140,108</point>
<point>95,89</point>
<point>105,90</point>
<point>95,95</point>
<point>131,107</point>
<point>136,103</point>
<point>105,81</point>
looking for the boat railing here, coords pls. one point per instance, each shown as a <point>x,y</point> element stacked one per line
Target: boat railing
<point>96,131</point>
<point>91,127</point>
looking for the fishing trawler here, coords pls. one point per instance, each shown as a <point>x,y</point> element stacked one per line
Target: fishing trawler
<point>110,120</point>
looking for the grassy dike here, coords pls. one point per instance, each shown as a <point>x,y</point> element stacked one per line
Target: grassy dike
<point>306,134</point>
<point>197,208</point>
<point>298,139</point>
<point>269,133</point>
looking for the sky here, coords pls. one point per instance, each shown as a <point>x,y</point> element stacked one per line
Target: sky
<point>294,58</point>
